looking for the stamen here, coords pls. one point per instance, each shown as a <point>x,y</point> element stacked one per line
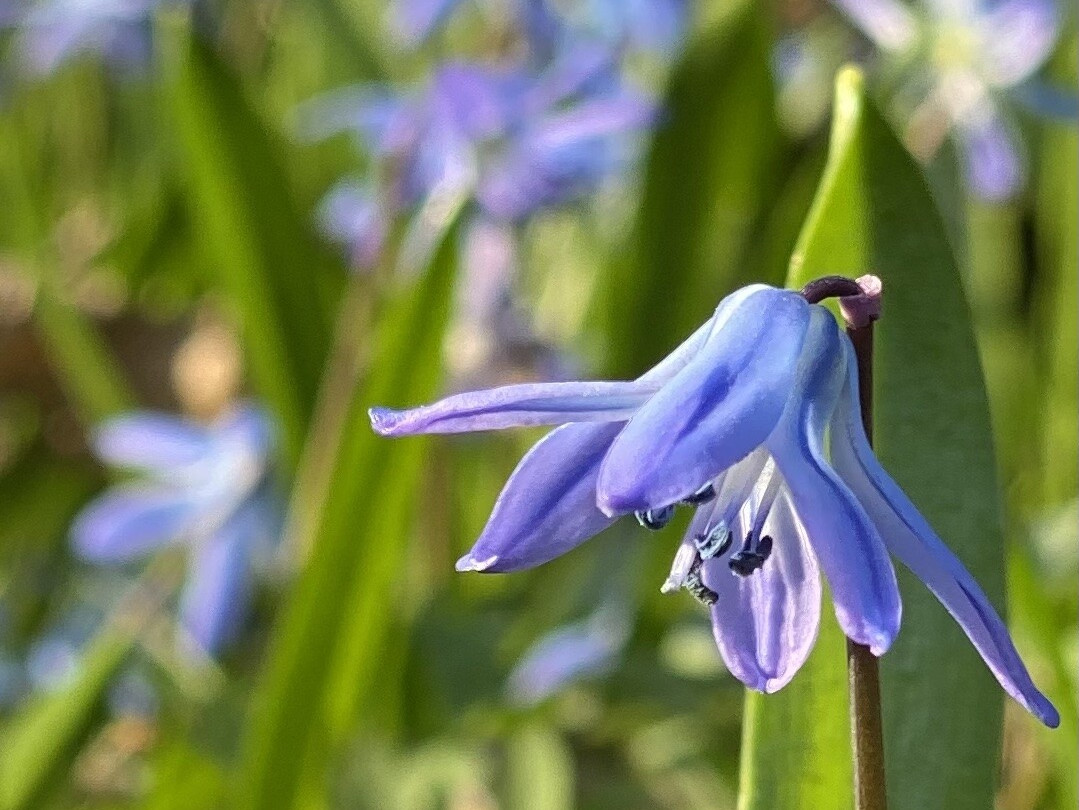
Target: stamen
<point>655,519</point>
<point>695,585</point>
<point>714,542</point>
<point>702,495</point>
<point>751,556</point>
<point>767,499</point>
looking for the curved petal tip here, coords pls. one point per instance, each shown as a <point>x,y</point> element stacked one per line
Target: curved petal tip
<point>384,421</point>
<point>1045,711</point>
<point>470,563</point>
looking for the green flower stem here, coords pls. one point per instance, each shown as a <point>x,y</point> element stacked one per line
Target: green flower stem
<point>863,670</point>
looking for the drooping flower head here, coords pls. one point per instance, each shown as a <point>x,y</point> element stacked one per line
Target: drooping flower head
<point>204,487</point>
<point>754,423</point>
<point>963,64</point>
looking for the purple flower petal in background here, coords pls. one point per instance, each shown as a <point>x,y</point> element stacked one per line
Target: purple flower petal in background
<point>1015,38</point>
<point>351,216</point>
<point>890,24</point>
<point>993,165</point>
<point>131,521</point>
<point>570,654</point>
<point>52,31</point>
<point>205,487</point>
<point>775,366</point>
<point>413,21</point>
<point>214,600</point>
<point>563,156</point>
<point>152,442</point>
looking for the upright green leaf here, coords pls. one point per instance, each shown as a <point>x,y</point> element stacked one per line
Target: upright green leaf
<point>282,284</point>
<point>712,165</point>
<point>330,637</point>
<point>942,708</point>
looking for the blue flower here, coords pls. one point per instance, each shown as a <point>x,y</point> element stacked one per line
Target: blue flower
<point>205,487</point>
<point>754,423</point>
<point>964,63</point>
<point>513,140</point>
<point>651,25</point>
<point>52,31</point>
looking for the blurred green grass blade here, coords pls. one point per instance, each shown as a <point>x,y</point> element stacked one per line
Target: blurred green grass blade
<point>351,29</point>
<point>1055,322</point>
<point>281,282</point>
<point>713,161</point>
<point>38,742</point>
<point>83,364</point>
<point>540,772</point>
<point>942,708</point>
<point>328,641</point>
<point>85,368</point>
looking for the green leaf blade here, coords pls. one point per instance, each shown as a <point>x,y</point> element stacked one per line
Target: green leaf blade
<point>282,284</point>
<point>330,637</point>
<point>942,708</point>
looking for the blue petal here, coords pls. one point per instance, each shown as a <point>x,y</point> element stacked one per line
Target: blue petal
<point>214,601</point>
<point>717,409</point>
<point>848,547</point>
<point>548,505</point>
<point>128,522</point>
<point>909,537</point>
<point>150,441</point>
<point>517,406</point>
<point>536,403</point>
<point>765,625</point>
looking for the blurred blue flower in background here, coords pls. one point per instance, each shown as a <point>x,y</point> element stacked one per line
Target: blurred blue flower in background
<point>514,140</point>
<point>51,32</point>
<point>652,25</point>
<point>572,653</point>
<point>206,487</point>
<point>509,140</point>
<point>735,423</point>
<point>962,63</point>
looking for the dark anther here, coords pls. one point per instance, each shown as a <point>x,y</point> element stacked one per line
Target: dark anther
<point>655,519</point>
<point>702,495</point>
<point>715,542</point>
<point>750,557</point>
<point>764,548</point>
<point>830,287</point>
<point>695,585</point>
